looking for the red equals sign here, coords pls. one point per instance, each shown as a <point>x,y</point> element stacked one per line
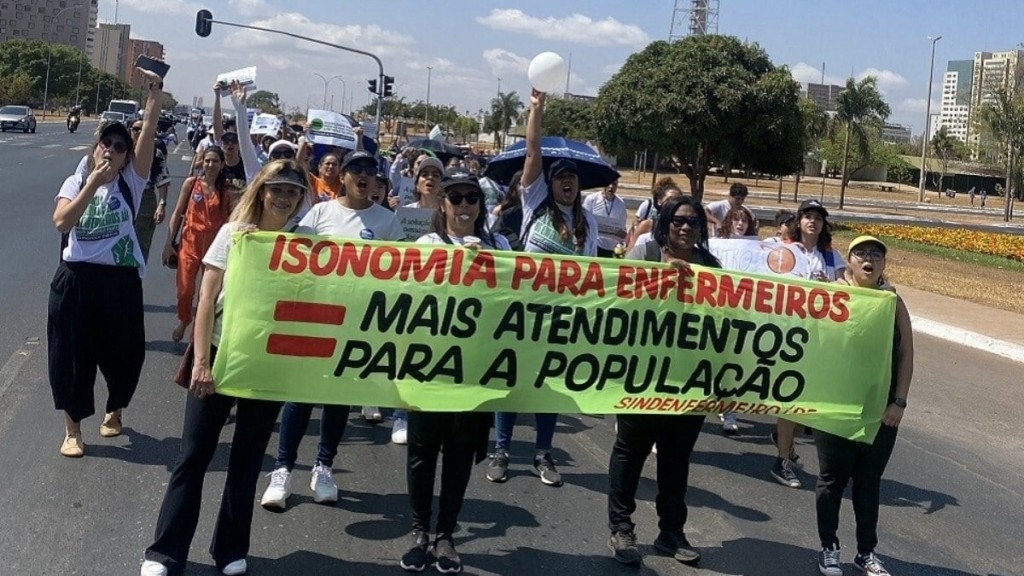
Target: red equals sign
<point>310,313</point>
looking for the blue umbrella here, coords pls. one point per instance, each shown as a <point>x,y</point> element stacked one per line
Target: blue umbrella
<point>594,171</point>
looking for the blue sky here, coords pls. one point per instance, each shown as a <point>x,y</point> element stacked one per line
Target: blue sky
<point>472,44</point>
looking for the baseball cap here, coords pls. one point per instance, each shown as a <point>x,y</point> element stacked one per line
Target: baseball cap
<point>288,175</point>
<point>808,205</point>
<point>458,177</point>
<point>282,144</point>
<point>562,165</point>
<point>861,240</point>
<point>358,156</point>
<point>430,162</point>
<point>118,129</point>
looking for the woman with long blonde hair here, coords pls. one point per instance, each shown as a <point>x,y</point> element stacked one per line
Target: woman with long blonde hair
<point>270,202</point>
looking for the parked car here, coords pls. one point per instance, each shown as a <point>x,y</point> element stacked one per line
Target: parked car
<point>17,118</point>
<point>110,115</point>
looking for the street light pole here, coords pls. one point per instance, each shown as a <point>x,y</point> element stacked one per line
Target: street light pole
<point>927,123</point>
<point>426,111</point>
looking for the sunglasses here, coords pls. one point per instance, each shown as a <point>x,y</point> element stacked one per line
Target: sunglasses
<point>863,254</point>
<point>282,155</point>
<point>680,221</point>
<point>471,199</point>
<point>116,145</point>
<point>365,169</point>
<point>229,139</point>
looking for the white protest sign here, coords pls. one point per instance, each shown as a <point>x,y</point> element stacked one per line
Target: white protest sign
<point>610,229</point>
<point>251,113</point>
<point>265,124</point>
<point>755,255</point>
<point>330,128</point>
<point>245,76</point>
<point>370,130</point>
<point>435,133</point>
<point>415,221</point>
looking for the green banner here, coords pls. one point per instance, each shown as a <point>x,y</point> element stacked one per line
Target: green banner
<point>435,327</point>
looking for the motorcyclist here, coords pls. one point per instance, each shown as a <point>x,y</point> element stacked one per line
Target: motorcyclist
<point>74,117</point>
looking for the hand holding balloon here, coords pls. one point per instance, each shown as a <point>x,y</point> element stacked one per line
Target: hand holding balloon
<point>547,71</point>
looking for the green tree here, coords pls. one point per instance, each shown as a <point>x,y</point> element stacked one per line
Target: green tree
<point>569,118</point>
<point>465,127</point>
<point>505,108</point>
<point>17,89</point>
<point>947,149</point>
<point>815,125</point>
<point>859,108</point>
<point>868,149</point>
<point>266,101</point>
<point>1003,120</point>
<point>701,99</point>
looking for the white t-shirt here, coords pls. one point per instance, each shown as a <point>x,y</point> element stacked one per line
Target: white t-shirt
<point>105,234</point>
<point>217,257</point>
<point>816,262</point>
<point>615,210</point>
<point>540,236</point>
<point>435,238</point>
<point>337,221</point>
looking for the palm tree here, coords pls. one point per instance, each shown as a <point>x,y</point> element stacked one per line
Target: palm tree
<point>505,108</point>
<point>1004,120</point>
<point>859,104</point>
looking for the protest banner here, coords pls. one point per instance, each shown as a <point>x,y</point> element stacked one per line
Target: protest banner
<point>415,221</point>
<point>436,134</point>
<point>245,76</point>
<point>330,128</point>
<point>265,124</point>
<point>435,327</point>
<point>761,256</point>
<point>610,228</point>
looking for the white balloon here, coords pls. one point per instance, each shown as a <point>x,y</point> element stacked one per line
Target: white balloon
<point>547,71</point>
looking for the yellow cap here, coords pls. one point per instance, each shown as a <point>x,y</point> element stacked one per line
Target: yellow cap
<point>866,239</point>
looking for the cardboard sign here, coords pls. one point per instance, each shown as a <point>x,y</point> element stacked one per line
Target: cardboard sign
<point>245,76</point>
<point>330,128</point>
<point>415,221</point>
<point>265,124</point>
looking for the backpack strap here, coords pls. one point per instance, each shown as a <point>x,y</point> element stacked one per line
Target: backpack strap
<point>126,192</point>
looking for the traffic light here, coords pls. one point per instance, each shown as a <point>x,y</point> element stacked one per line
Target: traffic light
<point>372,86</point>
<point>388,81</point>
<point>204,23</point>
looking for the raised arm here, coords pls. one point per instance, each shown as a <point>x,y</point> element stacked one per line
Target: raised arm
<point>218,116</point>
<point>533,166</point>
<point>146,141</point>
<point>245,145</point>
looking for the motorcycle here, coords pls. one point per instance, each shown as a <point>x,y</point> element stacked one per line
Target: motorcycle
<point>73,121</point>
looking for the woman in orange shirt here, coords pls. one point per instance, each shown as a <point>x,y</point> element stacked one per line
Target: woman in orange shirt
<point>327,185</point>
<point>203,207</point>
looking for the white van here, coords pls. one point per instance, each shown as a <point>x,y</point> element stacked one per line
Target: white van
<point>130,109</point>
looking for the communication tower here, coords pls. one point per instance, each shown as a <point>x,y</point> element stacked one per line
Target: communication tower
<point>693,18</point>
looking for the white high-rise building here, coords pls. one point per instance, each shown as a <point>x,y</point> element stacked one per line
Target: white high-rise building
<point>992,71</point>
<point>955,110</point>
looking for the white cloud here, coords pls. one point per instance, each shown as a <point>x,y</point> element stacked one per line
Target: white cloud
<point>916,105</point>
<point>578,28</point>
<point>371,38</point>
<point>505,62</point>
<point>887,79</point>
<point>807,74</point>
<point>251,7</point>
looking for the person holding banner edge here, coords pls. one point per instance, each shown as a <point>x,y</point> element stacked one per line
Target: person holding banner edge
<point>680,238</point>
<point>461,437</point>
<point>269,203</point>
<point>842,461</point>
<point>350,215</point>
<point>554,222</point>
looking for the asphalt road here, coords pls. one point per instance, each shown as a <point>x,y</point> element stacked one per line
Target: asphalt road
<point>952,499</point>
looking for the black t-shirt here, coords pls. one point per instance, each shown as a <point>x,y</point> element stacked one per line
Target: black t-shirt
<point>235,176</point>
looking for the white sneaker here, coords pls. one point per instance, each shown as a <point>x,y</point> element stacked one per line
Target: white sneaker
<point>280,488</point>
<point>235,568</point>
<point>400,431</point>
<point>152,568</point>
<point>372,414</point>
<point>729,425</point>
<point>325,491</point>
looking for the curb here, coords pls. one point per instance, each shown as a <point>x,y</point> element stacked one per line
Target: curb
<point>962,337</point>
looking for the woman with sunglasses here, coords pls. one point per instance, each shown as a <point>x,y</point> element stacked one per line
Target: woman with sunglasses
<point>458,438</point>
<point>554,222</point>
<point>647,213</point>
<point>842,461</point>
<point>95,317</point>
<point>269,204</point>
<point>203,206</point>
<point>680,238</point>
<point>240,161</point>
<point>350,215</point>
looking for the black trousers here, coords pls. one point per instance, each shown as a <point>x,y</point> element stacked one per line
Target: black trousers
<point>179,513</point>
<point>840,461</point>
<point>637,433</point>
<point>94,321</point>
<point>462,438</point>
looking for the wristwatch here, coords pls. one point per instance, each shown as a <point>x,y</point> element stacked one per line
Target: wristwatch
<point>901,402</point>
<point>163,202</point>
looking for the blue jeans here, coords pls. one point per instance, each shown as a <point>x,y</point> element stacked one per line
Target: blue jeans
<point>295,419</point>
<point>504,422</point>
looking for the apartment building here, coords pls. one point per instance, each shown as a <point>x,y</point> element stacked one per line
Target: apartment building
<point>70,22</point>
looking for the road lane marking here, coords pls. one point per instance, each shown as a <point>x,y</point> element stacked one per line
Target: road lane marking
<point>76,148</point>
<point>50,146</point>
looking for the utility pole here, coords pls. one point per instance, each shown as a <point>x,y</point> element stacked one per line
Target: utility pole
<point>426,112</point>
<point>927,123</point>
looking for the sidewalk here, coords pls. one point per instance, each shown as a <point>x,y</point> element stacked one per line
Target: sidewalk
<point>966,323</point>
